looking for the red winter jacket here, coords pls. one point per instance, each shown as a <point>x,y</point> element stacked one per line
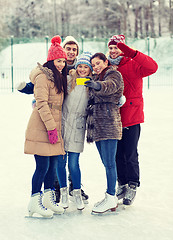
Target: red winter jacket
<point>133,70</point>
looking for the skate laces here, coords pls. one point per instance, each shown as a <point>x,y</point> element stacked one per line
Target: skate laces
<point>120,188</point>
<point>130,193</point>
<point>40,203</point>
<point>102,202</point>
<point>78,199</point>
<point>64,198</point>
<point>53,197</point>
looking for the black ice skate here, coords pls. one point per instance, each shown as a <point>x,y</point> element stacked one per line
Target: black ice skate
<point>121,191</point>
<point>130,194</point>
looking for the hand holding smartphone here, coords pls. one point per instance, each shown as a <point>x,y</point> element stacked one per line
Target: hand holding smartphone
<point>81,81</point>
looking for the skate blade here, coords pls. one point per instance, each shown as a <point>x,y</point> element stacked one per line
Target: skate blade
<point>59,213</point>
<point>80,209</point>
<point>38,216</point>
<point>123,206</point>
<point>111,210</point>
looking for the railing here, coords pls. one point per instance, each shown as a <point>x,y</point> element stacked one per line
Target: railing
<point>163,77</point>
<point>12,73</point>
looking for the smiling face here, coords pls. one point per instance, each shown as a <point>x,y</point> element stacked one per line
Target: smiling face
<point>59,64</point>
<point>83,70</point>
<point>72,52</point>
<point>114,51</point>
<point>98,65</point>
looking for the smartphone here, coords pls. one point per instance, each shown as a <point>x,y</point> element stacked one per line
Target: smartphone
<point>80,81</point>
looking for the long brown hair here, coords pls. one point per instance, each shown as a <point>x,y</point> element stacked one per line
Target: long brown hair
<point>60,79</point>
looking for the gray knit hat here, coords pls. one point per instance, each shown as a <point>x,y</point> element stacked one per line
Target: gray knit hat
<point>84,58</point>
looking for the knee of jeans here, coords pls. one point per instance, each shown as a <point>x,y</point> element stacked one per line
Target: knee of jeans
<point>73,166</point>
<point>110,166</point>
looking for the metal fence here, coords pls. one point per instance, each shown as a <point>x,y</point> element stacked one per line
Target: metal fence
<point>12,74</point>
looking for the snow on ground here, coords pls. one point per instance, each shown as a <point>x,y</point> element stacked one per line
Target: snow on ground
<point>151,215</point>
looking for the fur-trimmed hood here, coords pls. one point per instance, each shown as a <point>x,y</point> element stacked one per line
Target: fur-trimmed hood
<point>46,115</point>
<point>41,70</point>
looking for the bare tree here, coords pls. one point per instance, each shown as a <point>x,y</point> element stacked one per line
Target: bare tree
<point>86,18</point>
<point>171,17</point>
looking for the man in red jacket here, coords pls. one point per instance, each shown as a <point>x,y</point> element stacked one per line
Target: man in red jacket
<point>133,65</point>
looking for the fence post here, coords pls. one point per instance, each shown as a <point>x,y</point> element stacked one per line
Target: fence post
<point>12,62</point>
<point>47,38</point>
<point>82,40</point>
<point>148,45</point>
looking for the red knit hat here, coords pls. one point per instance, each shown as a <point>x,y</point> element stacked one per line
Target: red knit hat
<point>116,39</point>
<point>55,50</point>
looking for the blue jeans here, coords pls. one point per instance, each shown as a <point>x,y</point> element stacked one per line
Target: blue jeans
<point>74,169</point>
<point>107,150</point>
<point>45,172</point>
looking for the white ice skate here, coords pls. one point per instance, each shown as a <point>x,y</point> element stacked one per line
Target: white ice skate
<point>77,198</point>
<point>109,203</point>
<point>64,202</point>
<point>50,203</point>
<point>36,208</point>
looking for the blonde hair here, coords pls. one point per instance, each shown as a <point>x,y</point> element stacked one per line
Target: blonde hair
<point>73,75</point>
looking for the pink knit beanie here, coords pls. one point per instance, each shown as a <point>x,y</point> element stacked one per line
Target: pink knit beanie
<point>116,39</point>
<point>55,50</point>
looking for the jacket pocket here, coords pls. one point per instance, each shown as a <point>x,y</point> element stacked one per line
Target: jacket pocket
<point>133,102</point>
<point>80,129</point>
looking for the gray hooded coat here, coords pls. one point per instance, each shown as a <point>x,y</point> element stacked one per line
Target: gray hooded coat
<point>74,119</point>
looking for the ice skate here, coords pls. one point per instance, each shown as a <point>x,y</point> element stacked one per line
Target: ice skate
<point>84,195</point>
<point>64,202</point>
<point>109,203</point>
<point>121,191</point>
<point>77,197</point>
<point>50,203</point>
<point>130,194</point>
<point>36,209</point>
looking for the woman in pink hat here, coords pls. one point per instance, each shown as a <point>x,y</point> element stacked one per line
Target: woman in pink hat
<point>133,65</point>
<point>43,135</point>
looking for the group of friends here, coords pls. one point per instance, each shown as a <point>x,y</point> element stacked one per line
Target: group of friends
<point>100,95</point>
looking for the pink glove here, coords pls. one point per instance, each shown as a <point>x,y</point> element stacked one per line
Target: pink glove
<point>53,136</point>
<point>128,52</point>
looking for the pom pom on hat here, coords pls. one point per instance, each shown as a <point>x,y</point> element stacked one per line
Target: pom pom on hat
<point>56,51</point>
<point>84,58</point>
<point>56,39</point>
<point>116,39</point>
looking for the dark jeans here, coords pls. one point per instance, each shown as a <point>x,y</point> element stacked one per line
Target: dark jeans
<point>107,150</point>
<point>127,156</point>
<point>45,172</point>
